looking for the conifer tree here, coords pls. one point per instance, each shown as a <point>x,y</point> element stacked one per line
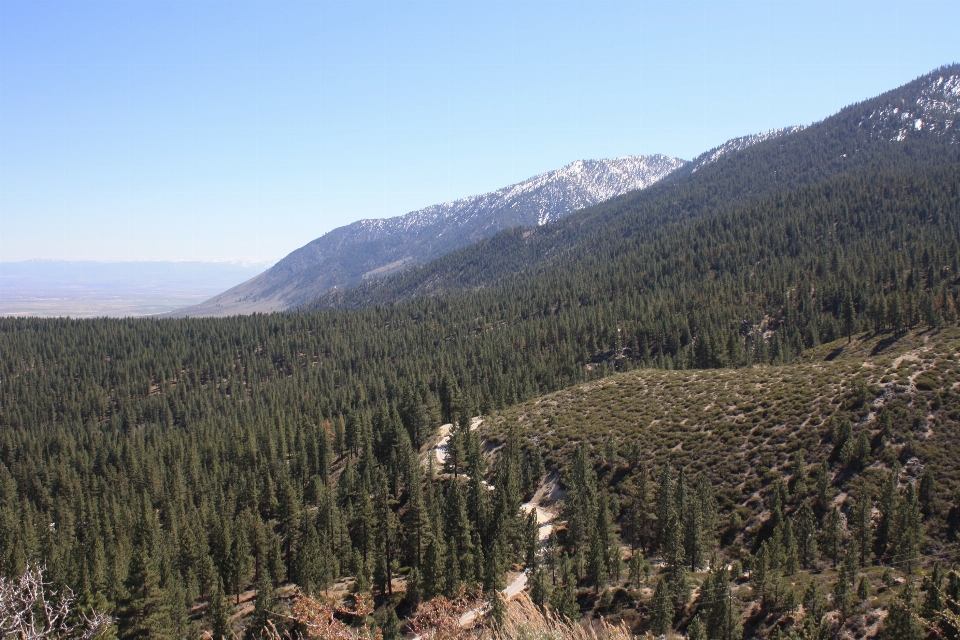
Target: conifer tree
<point>661,609</point>
<point>308,572</point>
<point>887,504</point>
<point>264,609</point>
<point>831,540</point>
<point>813,602</point>
<point>564,598</point>
<point>848,314</point>
<point>909,531</point>
<point>716,598</point>
<point>901,622</point>
<point>862,529</point>
<point>146,612</point>
<point>791,559</point>
<point>664,505</point>
<point>219,614</point>
<point>239,567</point>
<point>842,597</point>
<point>697,629</point>
<point>933,598</point>
<point>636,524</point>
<point>390,625</point>
<point>581,504</point>
<point>804,527</point>
<point>539,586</point>
<point>434,582</point>
<point>863,589</point>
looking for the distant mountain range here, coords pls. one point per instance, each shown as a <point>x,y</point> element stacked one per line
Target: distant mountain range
<point>373,249</point>
<point>370,249</point>
<point>321,272</point>
<point>911,128</point>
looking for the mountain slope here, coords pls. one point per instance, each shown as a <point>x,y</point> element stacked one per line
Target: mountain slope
<point>846,143</point>
<point>370,249</point>
<point>831,427</point>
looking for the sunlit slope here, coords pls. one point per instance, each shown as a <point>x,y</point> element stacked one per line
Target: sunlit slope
<point>739,425</point>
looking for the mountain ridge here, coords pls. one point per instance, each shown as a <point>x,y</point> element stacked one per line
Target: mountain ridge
<point>750,168</point>
<point>369,249</point>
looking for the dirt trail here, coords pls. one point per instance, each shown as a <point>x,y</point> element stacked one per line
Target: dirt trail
<point>548,491</point>
<point>444,438</point>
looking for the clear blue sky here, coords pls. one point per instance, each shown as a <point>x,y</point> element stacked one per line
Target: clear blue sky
<point>204,130</point>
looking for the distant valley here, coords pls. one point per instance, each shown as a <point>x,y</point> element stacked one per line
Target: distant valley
<point>81,289</point>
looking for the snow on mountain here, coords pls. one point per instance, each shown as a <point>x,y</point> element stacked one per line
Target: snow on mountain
<point>935,109</point>
<point>369,249</point>
<point>738,144</point>
<point>545,197</point>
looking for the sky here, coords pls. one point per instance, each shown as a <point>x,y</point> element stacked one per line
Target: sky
<point>211,130</point>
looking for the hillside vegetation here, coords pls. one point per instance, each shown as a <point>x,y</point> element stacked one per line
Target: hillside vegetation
<point>773,444</point>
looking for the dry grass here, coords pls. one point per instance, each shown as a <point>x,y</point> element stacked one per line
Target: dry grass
<point>437,620</point>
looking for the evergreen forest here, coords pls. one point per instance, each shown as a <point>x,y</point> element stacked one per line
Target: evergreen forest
<point>389,447</point>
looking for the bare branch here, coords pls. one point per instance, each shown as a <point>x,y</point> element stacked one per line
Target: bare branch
<point>30,609</point>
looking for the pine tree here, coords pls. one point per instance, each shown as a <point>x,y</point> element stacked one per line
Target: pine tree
<point>697,629</point>
<point>716,599</point>
<point>264,609</point>
<point>661,609</point>
<point>832,536</point>
<point>636,524</point>
<point>434,578</point>
<point>849,315</point>
<point>240,565</point>
<point>862,529</point>
<point>598,561</point>
<point>804,527</point>
<point>564,598</point>
<point>219,614</point>
<point>842,597</point>
<point>539,586</point>
<point>390,625</point>
<point>887,504</point>
<point>933,599</point>
<point>863,589</point>
<point>694,536</point>
<point>909,531</point>
<point>901,622</point>
<point>581,504</point>
<point>664,505</point>
<point>791,560</point>
<point>813,601</point>
<point>146,613</point>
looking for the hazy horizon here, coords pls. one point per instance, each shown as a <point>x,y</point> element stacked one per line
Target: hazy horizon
<point>88,288</point>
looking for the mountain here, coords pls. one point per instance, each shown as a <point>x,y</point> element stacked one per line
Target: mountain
<point>867,137</point>
<point>370,249</point>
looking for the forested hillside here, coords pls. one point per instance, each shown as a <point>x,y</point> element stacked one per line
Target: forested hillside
<point>869,137</point>
<point>158,465</point>
<point>797,499</point>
